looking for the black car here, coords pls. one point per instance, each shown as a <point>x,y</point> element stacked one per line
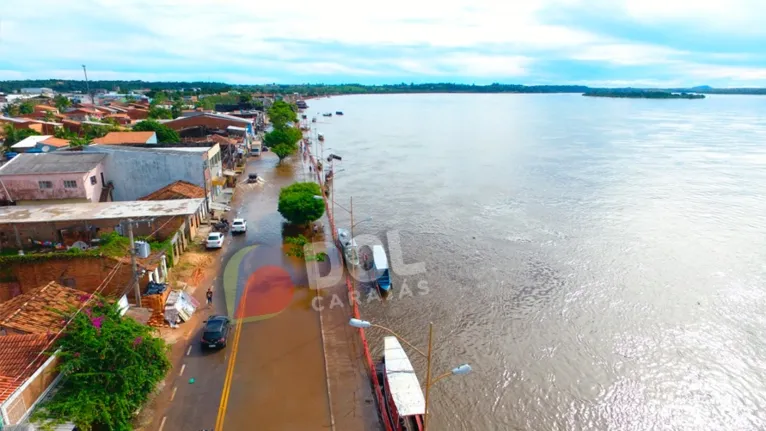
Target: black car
<point>216,332</point>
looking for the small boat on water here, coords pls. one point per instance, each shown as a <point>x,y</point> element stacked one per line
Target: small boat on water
<point>338,112</point>
<point>313,119</point>
<point>405,403</point>
<point>327,114</point>
<point>348,247</point>
<point>380,266</point>
<point>320,137</point>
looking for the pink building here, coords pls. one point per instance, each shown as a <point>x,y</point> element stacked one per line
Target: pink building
<point>52,178</point>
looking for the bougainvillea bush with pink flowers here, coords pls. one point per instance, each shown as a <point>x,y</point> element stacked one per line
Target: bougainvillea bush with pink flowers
<point>110,366</point>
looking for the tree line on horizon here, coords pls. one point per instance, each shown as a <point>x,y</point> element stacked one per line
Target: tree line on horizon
<point>63,85</point>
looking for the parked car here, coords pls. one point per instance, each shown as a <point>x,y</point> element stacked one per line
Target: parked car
<point>239,225</point>
<point>214,240</point>
<point>216,332</point>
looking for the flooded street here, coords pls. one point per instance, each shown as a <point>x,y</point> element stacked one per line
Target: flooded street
<point>277,381</point>
<point>599,263</point>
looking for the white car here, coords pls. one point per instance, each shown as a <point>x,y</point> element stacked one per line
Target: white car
<point>239,225</point>
<point>214,240</point>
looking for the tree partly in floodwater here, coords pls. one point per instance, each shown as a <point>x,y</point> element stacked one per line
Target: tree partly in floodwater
<point>298,203</point>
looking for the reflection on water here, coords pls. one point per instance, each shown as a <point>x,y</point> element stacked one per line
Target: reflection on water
<point>600,263</point>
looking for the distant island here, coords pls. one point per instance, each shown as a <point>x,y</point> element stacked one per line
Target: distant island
<point>320,90</point>
<point>642,94</point>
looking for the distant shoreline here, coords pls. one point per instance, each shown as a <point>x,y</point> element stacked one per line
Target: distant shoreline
<point>640,94</point>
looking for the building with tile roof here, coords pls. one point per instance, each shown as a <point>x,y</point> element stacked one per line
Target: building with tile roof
<point>127,138</point>
<point>39,311</point>
<point>177,190</point>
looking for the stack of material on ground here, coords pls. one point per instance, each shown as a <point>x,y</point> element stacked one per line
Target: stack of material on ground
<point>157,304</point>
<point>155,288</point>
<point>180,306</point>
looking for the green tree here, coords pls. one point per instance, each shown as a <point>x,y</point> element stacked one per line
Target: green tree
<point>283,142</point>
<point>26,108</point>
<point>245,98</point>
<point>80,142</point>
<point>282,151</point>
<point>298,204</point>
<point>91,131</point>
<point>61,102</point>
<point>280,114</point>
<point>49,116</point>
<point>13,110</point>
<point>63,133</point>
<point>164,133</point>
<point>110,366</point>
<point>177,109</point>
<point>14,135</point>
<point>160,113</point>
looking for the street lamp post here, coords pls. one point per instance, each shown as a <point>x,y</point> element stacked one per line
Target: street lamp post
<point>459,370</point>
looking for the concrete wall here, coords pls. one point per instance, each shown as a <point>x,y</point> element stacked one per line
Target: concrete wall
<point>164,227</point>
<point>137,172</point>
<point>19,405</point>
<point>25,189</point>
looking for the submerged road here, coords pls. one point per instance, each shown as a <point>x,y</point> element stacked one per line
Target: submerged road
<point>277,379</point>
<point>272,373</point>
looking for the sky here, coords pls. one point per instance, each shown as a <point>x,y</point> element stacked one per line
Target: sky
<point>609,43</point>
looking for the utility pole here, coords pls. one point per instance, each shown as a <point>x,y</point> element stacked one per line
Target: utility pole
<point>87,86</point>
<point>133,264</point>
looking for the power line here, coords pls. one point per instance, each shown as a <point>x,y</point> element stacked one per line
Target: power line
<point>103,284</point>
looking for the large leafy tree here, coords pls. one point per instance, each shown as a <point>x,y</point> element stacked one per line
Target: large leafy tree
<point>298,203</point>
<point>281,113</point>
<point>283,141</point>
<point>110,366</point>
<point>61,102</point>
<point>26,108</point>
<point>14,135</point>
<point>164,133</point>
<point>160,113</point>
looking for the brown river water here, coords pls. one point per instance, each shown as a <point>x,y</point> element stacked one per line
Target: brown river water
<point>599,262</point>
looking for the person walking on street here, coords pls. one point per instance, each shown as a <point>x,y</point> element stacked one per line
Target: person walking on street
<point>209,296</point>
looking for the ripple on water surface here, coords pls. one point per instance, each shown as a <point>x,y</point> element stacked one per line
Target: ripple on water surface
<point>598,262</point>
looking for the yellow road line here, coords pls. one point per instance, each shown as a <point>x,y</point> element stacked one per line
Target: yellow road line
<point>230,367</point>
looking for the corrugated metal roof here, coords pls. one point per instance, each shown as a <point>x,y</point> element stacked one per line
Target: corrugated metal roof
<point>52,163</point>
<point>402,380</point>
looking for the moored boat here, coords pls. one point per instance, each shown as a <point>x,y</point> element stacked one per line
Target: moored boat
<point>313,119</point>
<point>405,403</point>
<point>338,112</point>
<point>348,247</point>
<point>320,137</point>
<point>327,114</point>
<point>380,266</point>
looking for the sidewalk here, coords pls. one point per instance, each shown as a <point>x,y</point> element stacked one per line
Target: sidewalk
<point>352,396</point>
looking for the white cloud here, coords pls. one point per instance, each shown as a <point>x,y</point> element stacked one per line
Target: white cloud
<point>627,54</point>
<point>482,38</point>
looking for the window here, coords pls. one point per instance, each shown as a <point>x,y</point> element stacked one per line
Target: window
<point>45,184</point>
<point>70,184</point>
<point>93,180</point>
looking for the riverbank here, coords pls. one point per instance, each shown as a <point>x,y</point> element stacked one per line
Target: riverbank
<point>356,398</point>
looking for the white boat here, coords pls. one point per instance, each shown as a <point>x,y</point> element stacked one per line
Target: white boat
<point>405,402</point>
<point>380,266</point>
<point>349,248</point>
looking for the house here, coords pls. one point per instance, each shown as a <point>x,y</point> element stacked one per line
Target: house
<point>137,171</point>
<point>137,113</point>
<point>209,120</point>
<point>65,177</point>
<point>177,190</point>
<point>127,138</point>
<point>175,220</point>
<point>27,374</point>
<point>83,114</point>
<point>38,311</point>
<point>39,144</point>
<point>37,91</point>
<point>121,118</point>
